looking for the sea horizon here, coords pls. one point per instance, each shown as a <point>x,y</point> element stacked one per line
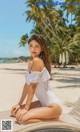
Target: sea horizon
<point>6,60</point>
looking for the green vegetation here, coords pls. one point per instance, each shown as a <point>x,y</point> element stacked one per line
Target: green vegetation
<point>23,58</point>
<point>51,23</point>
<point>15,59</point>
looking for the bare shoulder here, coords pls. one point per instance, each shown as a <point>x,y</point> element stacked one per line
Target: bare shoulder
<point>38,64</point>
<point>38,60</point>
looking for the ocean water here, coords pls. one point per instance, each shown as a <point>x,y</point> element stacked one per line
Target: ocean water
<point>8,60</point>
<point>14,60</point>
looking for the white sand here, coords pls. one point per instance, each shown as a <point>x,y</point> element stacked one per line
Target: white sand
<point>66,84</point>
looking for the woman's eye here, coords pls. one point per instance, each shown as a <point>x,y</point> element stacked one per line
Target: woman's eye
<point>37,46</point>
<point>34,47</point>
<point>30,46</point>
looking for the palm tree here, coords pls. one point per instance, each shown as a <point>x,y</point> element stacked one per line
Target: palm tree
<point>77,15</point>
<point>76,47</point>
<point>70,7</point>
<point>45,16</point>
<point>47,21</point>
<point>50,22</point>
<point>23,40</point>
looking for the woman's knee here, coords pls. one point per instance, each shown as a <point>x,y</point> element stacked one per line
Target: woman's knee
<point>56,109</point>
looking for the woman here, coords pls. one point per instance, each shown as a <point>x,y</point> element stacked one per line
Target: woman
<point>47,106</point>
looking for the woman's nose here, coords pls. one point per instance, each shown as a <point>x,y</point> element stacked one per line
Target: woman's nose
<point>33,49</point>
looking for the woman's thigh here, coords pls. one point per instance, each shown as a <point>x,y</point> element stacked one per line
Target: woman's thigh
<point>56,108</point>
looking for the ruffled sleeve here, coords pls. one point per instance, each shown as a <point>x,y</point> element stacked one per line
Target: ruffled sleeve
<point>32,77</point>
<point>37,77</point>
<point>45,75</point>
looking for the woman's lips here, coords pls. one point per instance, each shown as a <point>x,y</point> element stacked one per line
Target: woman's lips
<point>34,52</point>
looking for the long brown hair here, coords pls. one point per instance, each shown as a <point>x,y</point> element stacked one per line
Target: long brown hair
<point>44,55</point>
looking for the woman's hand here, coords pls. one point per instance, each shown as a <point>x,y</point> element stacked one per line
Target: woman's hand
<point>14,109</point>
<point>20,114</point>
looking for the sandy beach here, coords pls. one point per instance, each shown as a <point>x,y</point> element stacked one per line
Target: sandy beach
<point>65,83</point>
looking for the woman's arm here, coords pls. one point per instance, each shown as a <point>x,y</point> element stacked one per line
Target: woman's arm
<point>31,91</point>
<point>37,66</point>
<point>16,107</point>
<point>24,94</point>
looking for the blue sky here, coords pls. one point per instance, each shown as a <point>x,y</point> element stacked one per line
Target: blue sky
<point>12,26</point>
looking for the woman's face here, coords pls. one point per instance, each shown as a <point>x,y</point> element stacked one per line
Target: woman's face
<point>34,48</point>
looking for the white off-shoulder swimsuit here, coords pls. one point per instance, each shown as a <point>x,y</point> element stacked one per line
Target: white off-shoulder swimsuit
<point>43,90</point>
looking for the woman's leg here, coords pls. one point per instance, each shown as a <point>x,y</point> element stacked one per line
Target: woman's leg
<point>34,104</point>
<point>41,120</point>
<point>49,112</point>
